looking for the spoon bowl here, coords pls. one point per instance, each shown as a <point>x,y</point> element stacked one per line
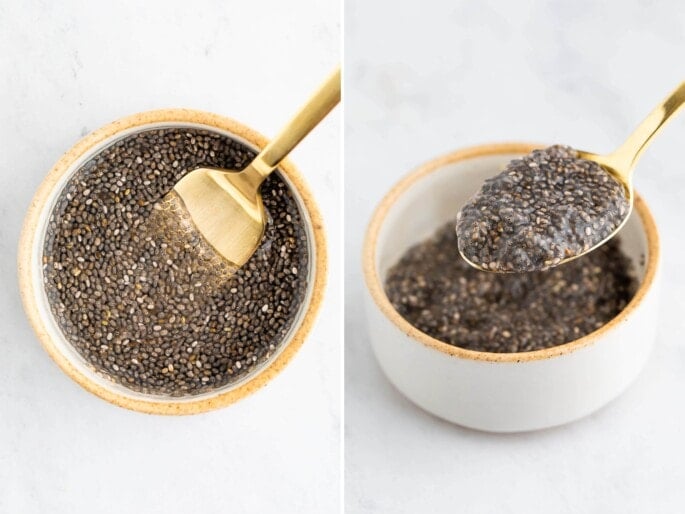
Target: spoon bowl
<point>620,164</point>
<point>224,207</point>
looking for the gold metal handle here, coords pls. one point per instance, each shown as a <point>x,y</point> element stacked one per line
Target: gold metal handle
<point>318,106</point>
<point>623,159</point>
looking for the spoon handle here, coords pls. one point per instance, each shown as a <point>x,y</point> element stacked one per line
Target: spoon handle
<point>626,156</point>
<point>309,116</point>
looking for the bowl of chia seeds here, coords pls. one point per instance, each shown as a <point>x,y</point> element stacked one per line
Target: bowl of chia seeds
<point>140,322</point>
<point>502,352</point>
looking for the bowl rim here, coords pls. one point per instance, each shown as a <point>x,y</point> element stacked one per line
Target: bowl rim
<point>30,231</point>
<point>375,286</point>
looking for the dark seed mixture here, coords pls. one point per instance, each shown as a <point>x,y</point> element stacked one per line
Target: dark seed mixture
<point>435,290</point>
<point>545,207</point>
<point>139,310</point>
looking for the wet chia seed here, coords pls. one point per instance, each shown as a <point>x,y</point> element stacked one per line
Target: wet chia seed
<point>140,311</point>
<point>439,293</point>
<point>546,207</point>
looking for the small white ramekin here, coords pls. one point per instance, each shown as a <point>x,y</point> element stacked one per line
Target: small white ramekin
<point>499,392</point>
<point>35,299</point>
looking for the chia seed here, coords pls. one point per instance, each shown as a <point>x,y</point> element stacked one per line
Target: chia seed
<point>439,293</point>
<point>151,315</point>
<point>544,208</point>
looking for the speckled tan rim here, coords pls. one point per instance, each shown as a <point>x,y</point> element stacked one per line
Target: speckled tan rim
<point>29,233</point>
<point>373,281</point>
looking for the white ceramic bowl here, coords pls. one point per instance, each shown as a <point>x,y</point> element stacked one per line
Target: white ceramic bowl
<point>35,299</point>
<point>490,391</point>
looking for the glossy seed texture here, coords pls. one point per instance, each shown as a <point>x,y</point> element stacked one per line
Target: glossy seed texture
<point>152,315</point>
<point>542,209</point>
<point>436,291</point>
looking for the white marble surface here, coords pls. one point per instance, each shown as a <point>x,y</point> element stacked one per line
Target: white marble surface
<point>429,77</point>
<point>69,67</point>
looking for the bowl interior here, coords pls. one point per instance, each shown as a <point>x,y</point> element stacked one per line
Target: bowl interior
<point>51,325</point>
<point>435,198</point>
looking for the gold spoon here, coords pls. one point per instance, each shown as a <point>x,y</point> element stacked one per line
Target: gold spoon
<point>621,162</point>
<point>225,206</point>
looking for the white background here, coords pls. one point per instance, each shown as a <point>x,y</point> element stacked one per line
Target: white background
<point>425,78</point>
<point>69,67</point>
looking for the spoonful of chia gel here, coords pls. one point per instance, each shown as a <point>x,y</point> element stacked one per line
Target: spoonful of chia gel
<point>555,204</point>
